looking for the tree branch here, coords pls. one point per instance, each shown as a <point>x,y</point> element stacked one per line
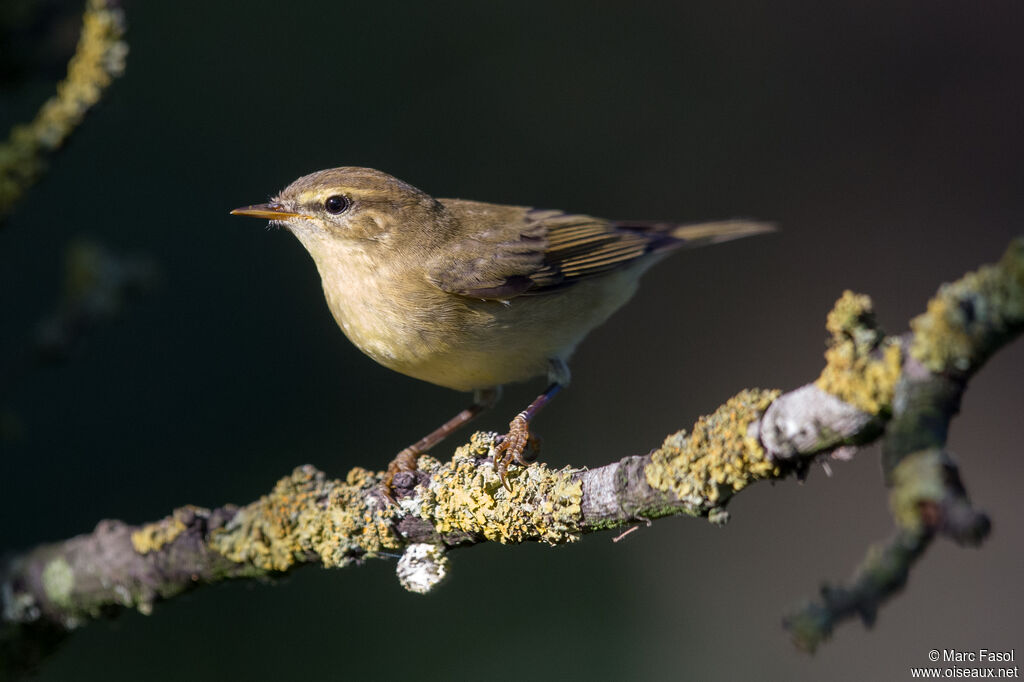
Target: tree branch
<point>98,59</point>
<point>903,389</point>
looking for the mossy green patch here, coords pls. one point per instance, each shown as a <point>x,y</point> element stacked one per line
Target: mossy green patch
<point>59,582</point>
<point>920,477</point>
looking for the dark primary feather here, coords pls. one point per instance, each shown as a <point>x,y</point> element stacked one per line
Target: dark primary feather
<point>581,246</point>
<point>550,249</point>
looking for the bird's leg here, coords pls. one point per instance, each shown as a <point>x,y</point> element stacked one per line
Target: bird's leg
<point>510,449</point>
<point>405,460</point>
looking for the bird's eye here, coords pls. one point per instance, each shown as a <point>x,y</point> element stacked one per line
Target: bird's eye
<point>336,203</point>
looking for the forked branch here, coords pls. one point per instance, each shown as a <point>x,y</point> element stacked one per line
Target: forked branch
<point>904,389</point>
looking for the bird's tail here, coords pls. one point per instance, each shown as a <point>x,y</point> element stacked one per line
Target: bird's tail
<point>701,234</point>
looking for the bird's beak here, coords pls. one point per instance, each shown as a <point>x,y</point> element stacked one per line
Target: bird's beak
<point>271,211</point>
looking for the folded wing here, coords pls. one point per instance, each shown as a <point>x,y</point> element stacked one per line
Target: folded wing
<point>540,251</point>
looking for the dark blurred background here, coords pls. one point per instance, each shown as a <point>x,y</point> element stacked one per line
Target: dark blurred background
<point>885,138</point>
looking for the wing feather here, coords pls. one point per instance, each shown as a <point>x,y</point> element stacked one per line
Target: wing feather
<point>532,251</point>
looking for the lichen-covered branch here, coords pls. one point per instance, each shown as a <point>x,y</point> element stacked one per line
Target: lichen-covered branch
<point>98,59</point>
<point>964,324</point>
<point>904,389</point>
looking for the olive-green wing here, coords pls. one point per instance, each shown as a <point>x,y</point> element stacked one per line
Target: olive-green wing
<point>535,251</point>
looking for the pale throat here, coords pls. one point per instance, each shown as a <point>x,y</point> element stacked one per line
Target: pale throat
<point>359,293</point>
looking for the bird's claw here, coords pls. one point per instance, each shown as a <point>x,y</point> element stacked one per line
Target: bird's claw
<point>404,461</point>
<point>511,448</point>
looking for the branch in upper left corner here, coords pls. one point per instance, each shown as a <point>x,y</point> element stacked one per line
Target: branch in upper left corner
<point>98,59</point>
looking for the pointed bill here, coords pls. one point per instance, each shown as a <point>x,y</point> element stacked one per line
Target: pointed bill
<point>271,211</point>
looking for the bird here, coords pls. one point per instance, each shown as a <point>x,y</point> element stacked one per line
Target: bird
<point>470,295</point>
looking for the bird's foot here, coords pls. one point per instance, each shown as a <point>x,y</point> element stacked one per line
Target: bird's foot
<point>404,462</point>
<point>516,446</point>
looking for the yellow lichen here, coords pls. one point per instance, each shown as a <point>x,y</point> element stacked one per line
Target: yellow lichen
<point>719,458</point>
<point>855,370</point>
<point>466,495</point>
<point>307,513</point>
<point>853,315</point>
<point>153,536</point>
<point>352,524</point>
<point>965,318</point>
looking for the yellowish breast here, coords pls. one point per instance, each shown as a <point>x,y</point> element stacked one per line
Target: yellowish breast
<point>408,325</point>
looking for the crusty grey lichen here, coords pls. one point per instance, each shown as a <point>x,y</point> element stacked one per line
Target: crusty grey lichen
<point>720,457</point>
<point>465,495</point>
<point>423,567</point>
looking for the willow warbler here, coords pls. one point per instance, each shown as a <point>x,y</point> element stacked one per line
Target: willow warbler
<point>466,294</point>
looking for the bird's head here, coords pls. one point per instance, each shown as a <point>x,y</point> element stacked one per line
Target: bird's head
<point>351,204</point>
